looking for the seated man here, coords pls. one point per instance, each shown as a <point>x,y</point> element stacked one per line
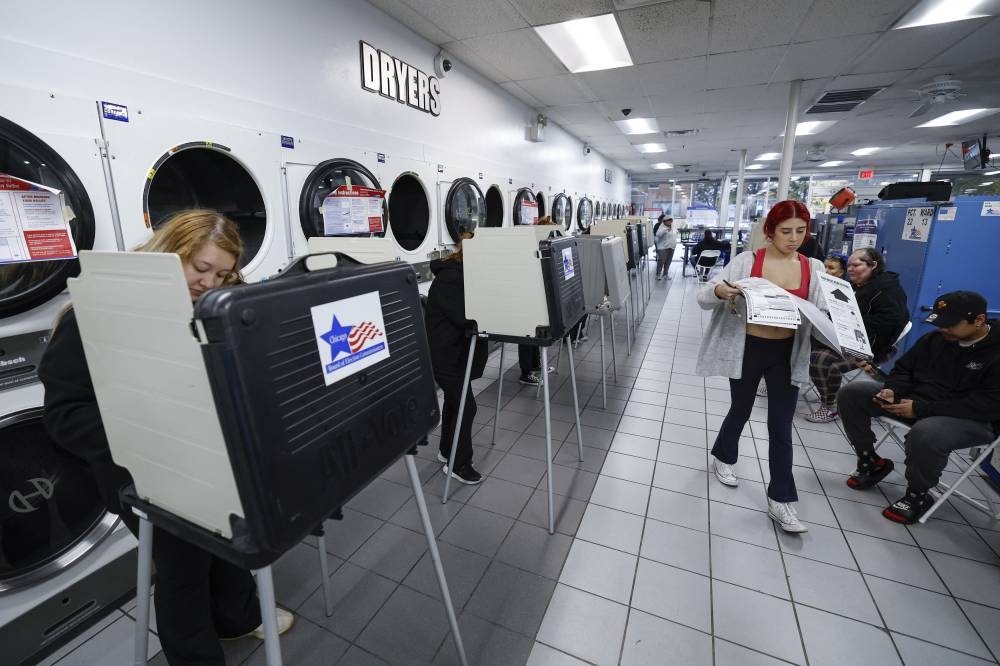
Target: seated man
<point>947,385</point>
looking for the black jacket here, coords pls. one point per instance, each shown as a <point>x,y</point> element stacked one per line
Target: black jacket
<point>811,249</point>
<point>884,311</point>
<point>72,418</point>
<point>447,327</point>
<point>945,379</point>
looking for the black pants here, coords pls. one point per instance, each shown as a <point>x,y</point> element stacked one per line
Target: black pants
<point>770,359</point>
<point>529,359</point>
<point>452,387</point>
<point>199,599</point>
<point>927,444</point>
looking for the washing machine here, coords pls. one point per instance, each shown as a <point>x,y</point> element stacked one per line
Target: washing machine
<point>63,558</point>
<point>165,162</point>
<point>494,206</point>
<point>562,211</point>
<point>523,206</point>
<point>584,214</point>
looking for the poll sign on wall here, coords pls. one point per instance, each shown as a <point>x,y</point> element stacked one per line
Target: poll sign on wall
<point>394,79</point>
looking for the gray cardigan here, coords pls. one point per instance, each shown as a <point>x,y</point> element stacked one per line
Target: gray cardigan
<point>721,352</point>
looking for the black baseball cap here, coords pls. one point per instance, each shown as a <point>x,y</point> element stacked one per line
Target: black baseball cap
<point>956,306</point>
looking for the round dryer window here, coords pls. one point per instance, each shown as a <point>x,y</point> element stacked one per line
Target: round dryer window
<point>494,207</point>
<point>206,175</point>
<point>540,200</point>
<point>584,214</point>
<point>525,207</point>
<point>323,182</point>
<point>23,155</point>
<point>464,208</point>
<point>52,513</point>
<point>409,211</point>
<point>561,211</point>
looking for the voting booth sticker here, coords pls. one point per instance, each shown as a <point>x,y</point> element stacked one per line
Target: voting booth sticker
<point>350,335</point>
<point>569,270</point>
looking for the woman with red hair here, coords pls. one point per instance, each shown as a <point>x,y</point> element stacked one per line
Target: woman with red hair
<point>746,352</point>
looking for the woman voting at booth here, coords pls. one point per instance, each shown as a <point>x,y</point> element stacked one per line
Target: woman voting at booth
<point>199,598</point>
<point>744,352</point>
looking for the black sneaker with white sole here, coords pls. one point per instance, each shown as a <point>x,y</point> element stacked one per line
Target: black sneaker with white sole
<point>465,474</point>
<point>530,380</point>
<point>909,508</point>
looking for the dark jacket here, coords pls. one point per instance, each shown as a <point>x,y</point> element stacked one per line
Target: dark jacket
<point>72,418</point>
<point>884,311</point>
<point>447,327</point>
<point>703,245</point>
<point>945,379</point>
<point>811,249</point>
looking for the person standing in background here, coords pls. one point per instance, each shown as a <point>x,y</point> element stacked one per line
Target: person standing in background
<point>665,240</point>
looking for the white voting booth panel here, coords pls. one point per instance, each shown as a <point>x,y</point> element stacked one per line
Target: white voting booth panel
<point>595,274</point>
<point>619,290</point>
<point>504,288</point>
<point>158,409</point>
<point>365,250</point>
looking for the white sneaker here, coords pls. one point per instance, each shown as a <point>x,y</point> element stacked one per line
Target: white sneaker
<point>441,457</point>
<point>762,390</point>
<point>725,473</point>
<point>285,621</point>
<point>786,516</point>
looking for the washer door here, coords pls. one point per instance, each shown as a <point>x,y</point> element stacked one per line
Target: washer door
<point>584,214</point>
<point>464,208</point>
<point>409,211</point>
<point>24,286</point>
<point>323,180</point>
<point>51,513</point>
<point>523,195</point>
<point>207,175</point>
<point>494,207</point>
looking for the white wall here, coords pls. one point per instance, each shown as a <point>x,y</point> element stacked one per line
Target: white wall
<point>289,68</point>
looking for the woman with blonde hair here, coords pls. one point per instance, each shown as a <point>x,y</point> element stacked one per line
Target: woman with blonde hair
<point>199,597</point>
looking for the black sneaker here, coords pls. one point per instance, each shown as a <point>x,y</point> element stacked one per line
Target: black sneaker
<point>908,508</point>
<point>530,380</point>
<point>465,474</point>
<point>869,472</point>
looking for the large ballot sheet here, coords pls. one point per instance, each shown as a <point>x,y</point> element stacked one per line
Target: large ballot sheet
<point>846,317</point>
<point>33,222</point>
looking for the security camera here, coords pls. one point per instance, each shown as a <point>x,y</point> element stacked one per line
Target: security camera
<point>586,149</point>
<point>704,173</point>
<point>442,64</point>
<point>626,112</point>
<point>687,170</point>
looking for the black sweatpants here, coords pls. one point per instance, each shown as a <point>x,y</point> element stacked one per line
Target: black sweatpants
<point>529,359</point>
<point>770,359</point>
<point>452,387</point>
<point>927,444</point>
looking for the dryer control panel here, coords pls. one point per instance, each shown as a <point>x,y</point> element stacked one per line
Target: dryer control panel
<point>19,358</point>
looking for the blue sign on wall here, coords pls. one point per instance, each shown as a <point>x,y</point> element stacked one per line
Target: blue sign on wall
<point>113,111</point>
<point>287,142</point>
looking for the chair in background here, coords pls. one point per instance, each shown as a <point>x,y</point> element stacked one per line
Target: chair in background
<point>707,260</point>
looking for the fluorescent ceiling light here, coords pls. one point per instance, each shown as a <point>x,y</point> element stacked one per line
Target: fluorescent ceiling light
<point>765,157</point>
<point>812,127</point>
<point>833,163</point>
<point>987,183</point>
<point>638,126</point>
<point>860,152</point>
<point>991,173</point>
<point>932,12</point>
<point>663,165</point>
<point>587,44</point>
<point>755,166</point>
<point>958,117</point>
<point>652,147</point>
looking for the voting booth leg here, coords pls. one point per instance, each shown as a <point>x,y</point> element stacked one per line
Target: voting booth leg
<point>142,582</point>
<point>576,400</point>
<point>548,436</point>
<point>496,415</point>
<point>614,351</point>
<point>628,329</point>
<point>425,520</point>
<point>324,570</point>
<point>604,369</point>
<point>458,420</point>
<point>268,615</point>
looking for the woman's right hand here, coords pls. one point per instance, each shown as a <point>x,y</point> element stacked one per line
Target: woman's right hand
<point>725,292</point>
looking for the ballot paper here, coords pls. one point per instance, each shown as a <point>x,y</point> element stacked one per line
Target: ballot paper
<point>33,222</point>
<point>845,316</point>
<point>769,304</point>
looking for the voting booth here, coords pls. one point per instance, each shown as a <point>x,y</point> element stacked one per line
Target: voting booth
<point>248,419</point>
<point>365,250</point>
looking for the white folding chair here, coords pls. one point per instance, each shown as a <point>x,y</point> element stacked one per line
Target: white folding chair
<point>706,262</point>
<point>896,430</point>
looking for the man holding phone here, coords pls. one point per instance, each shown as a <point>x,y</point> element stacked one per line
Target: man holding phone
<point>947,386</point>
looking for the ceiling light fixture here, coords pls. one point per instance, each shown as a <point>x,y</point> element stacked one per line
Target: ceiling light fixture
<point>755,166</point>
<point>991,173</point>
<point>860,152</point>
<point>587,44</point>
<point>958,117</point>
<point>663,165</point>
<point>638,126</point>
<point>765,157</point>
<point>933,12</point>
<point>986,184</point>
<point>652,147</point>
<point>834,163</point>
<point>812,127</point>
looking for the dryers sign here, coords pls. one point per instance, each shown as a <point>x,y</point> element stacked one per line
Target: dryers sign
<point>392,78</point>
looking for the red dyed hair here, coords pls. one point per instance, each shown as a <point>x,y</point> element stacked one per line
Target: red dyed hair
<point>785,210</point>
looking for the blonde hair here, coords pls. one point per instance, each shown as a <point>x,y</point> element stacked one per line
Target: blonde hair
<point>545,220</point>
<point>457,254</point>
<point>186,232</point>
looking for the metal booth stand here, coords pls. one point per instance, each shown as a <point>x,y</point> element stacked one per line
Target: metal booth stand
<point>249,420</point>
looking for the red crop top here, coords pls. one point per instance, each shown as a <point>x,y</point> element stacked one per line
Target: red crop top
<point>803,290</point>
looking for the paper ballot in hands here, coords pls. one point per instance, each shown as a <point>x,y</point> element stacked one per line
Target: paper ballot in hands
<point>845,316</point>
<point>768,303</point>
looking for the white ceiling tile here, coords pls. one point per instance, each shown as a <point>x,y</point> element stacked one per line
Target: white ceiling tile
<point>678,104</point>
<point>913,47</point>
<point>467,55</point>
<point>666,31</point>
<point>738,25</point>
<point>589,130</point>
<point>876,80</point>
<point>611,84</point>
<point>675,77</point>
<point>519,54</point>
<point>463,19</point>
<point>611,143</point>
<point>839,18</point>
<point>413,20</point>
<point>613,109</point>
<point>727,70</point>
<point>763,96</point>
<point>580,113</point>
<point>983,44</point>
<point>823,58</point>
<point>557,90</point>
<point>520,93</point>
<point>543,12</point>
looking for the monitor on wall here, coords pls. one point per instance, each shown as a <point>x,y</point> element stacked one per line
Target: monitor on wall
<point>972,155</point>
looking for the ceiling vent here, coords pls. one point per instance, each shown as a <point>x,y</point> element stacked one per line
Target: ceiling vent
<point>683,132</point>
<point>838,101</point>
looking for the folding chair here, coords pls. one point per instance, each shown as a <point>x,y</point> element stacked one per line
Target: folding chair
<point>706,261</point>
<point>896,430</point>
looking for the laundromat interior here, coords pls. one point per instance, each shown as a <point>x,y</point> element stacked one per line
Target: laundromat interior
<point>599,532</point>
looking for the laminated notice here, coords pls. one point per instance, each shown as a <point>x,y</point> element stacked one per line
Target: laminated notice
<point>34,222</point>
<point>351,210</point>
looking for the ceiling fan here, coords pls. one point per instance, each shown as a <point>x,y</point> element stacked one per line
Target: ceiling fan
<point>943,89</point>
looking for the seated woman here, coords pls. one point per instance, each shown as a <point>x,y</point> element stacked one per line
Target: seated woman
<point>835,265</point>
<point>707,242</point>
<point>884,311</point>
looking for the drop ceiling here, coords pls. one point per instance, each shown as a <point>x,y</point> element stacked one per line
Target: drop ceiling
<point>724,67</point>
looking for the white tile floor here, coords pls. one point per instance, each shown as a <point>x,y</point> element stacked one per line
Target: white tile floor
<point>653,561</point>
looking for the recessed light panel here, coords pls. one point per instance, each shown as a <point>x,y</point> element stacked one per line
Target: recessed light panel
<point>638,126</point>
<point>958,117</point>
<point>587,44</point>
<point>652,147</point>
<point>933,12</point>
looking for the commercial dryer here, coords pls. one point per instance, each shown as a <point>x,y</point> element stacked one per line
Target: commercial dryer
<point>584,214</point>
<point>540,200</point>
<point>562,211</point>
<point>462,206</point>
<point>494,206</point>
<point>523,207</point>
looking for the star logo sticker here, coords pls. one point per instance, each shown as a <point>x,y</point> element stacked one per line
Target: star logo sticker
<point>336,337</point>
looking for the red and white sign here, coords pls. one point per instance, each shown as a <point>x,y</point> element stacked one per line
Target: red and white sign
<point>33,222</point>
<point>866,174</point>
<point>529,211</point>
<point>351,209</point>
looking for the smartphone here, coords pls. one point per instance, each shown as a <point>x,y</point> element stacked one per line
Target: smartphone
<point>879,399</point>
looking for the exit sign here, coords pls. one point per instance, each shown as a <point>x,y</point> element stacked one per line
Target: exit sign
<point>866,174</point>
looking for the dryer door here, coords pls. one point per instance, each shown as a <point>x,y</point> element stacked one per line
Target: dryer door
<point>409,211</point>
<point>561,212</point>
<point>540,200</point>
<point>584,214</point>
<point>464,208</point>
<point>494,207</point>
<point>524,208</point>
<point>51,513</point>
<point>324,179</point>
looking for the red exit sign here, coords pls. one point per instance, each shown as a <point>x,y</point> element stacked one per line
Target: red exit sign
<point>866,174</point>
